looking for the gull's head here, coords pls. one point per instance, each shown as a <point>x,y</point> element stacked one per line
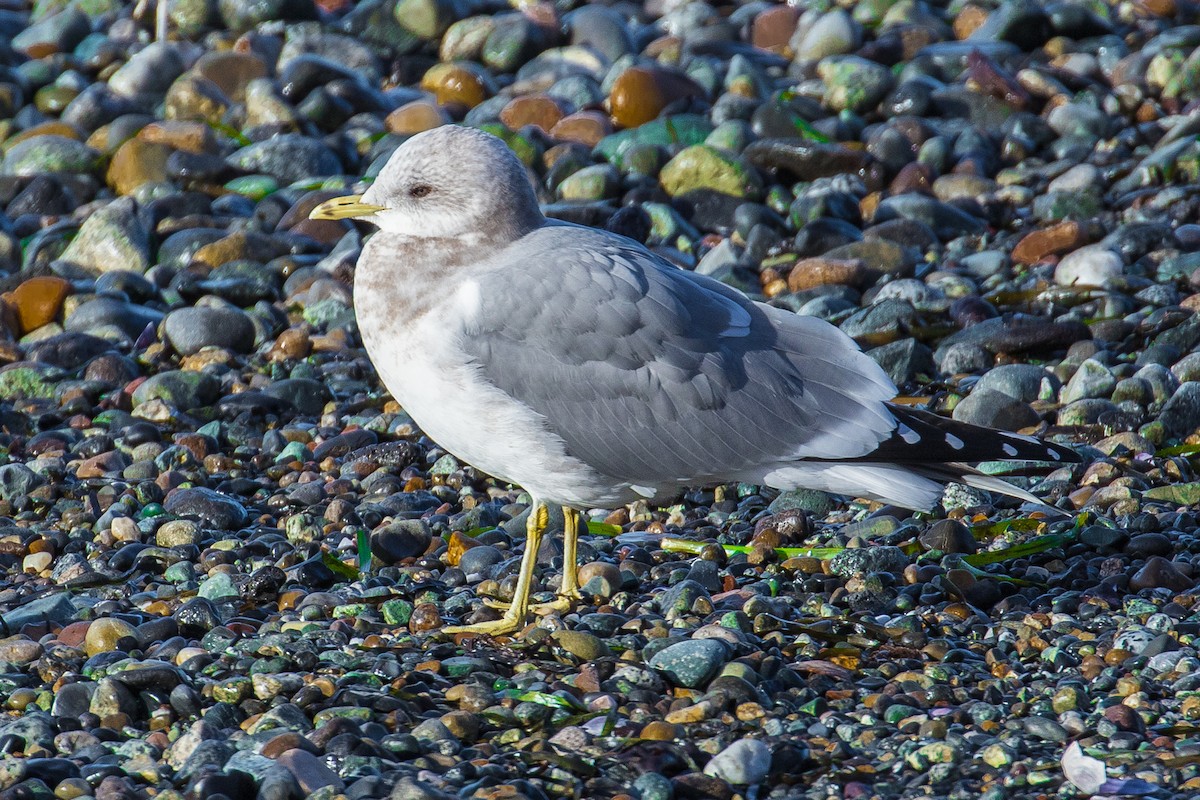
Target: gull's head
<point>447,182</point>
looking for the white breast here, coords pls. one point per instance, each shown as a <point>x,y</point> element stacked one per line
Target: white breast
<point>427,371</point>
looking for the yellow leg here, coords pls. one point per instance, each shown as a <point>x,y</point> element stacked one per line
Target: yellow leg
<point>569,592</point>
<point>570,582</point>
<point>514,619</point>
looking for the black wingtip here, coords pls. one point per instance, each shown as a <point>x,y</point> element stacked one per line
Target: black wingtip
<point>924,437</point>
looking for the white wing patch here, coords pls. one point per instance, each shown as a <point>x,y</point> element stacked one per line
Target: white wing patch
<point>955,442</point>
<point>1009,450</point>
<point>908,434</point>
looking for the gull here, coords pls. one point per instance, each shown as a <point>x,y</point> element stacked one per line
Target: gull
<point>581,366</point>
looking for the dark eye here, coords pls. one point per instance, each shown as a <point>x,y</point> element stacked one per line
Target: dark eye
<point>420,190</point>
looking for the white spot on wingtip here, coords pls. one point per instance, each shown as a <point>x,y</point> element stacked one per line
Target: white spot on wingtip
<point>644,491</point>
<point>955,442</point>
<point>908,434</point>
<point>1009,450</point>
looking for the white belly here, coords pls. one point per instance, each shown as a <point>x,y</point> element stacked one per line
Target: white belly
<point>428,373</point>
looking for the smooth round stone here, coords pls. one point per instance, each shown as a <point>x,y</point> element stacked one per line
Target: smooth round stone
<point>425,617</point>
<point>455,84</point>
<point>306,395</point>
<point>54,99</point>
<point>1159,573</point>
<point>993,409</point>
<point>640,94</point>
<point>49,153</point>
<point>178,533</point>
<point>480,559</point>
<point>704,167</point>
<point>1079,178</point>
<point>150,71</point>
<point>690,664</point>
<point>600,578</point>
<point>1181,414</point>
<point>105,635</point>
<point>853,83</point>
<point>948,536</point>
<point>1093,265</point>
<point>745,762</point>
<point>288,158</point>
<point>37,563</point>
<point>39,300</point>
<point>111,238</point>
<point>541,111</point>
<point>178,389</point>
<point>1024,382</point>
<point>596,182</point>
<point>1091,379</point>
<point>581,644</point>
<point>833,33</point>
<point>57,33</point>
<point>585,127</point>
<point>415,117</point>
<point>601,29</point>
<point>400,540</point>
<point>212,508</point>
<point>137,163</point>
<point>1145,545</point>
<point>189,330</point>
<point>804,160</point>
<point>661,731</point>
<point>242,15</point>
<point>866,560</point>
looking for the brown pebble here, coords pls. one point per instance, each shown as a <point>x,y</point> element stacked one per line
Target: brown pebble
<point>1124,717</point>
<point>277,746</point>
<point>38,300</point>
<point>425,617</point>
<point>1116,656</point>
<point>463,724</point>
<point>772,28</point>
<point>1054,240</point>
<point>106,634</point>
<point>191,137</point>
<point>812,272</point>
<point>968,20</point>
<point>539,110</point>
<point>231,71</point>
<point>660,731</point>
<point>415,117</point>
<point>458,545</point>
<point>912,177</point>
<point>585,127</point>
<point>455,84</point>
<point>639,94</point>
<point>292,345</point>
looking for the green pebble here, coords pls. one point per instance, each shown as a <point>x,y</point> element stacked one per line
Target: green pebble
<point>349,610</point>
<point>151,510</point>
<point>255,187</point>
<point>397,612</point>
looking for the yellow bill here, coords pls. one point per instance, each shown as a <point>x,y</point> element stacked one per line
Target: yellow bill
<point>347,207</point>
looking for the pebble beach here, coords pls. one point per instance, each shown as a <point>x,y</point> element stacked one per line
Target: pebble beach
<point>227,555</point>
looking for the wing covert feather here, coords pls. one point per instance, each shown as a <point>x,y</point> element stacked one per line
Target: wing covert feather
<point>652,374</point>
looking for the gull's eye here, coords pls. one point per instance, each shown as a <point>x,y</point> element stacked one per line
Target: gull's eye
<point>420,190</point>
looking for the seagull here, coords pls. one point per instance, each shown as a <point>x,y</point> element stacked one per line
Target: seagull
<point>583,367</point>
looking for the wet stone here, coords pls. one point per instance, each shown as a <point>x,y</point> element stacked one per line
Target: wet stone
<point>690,664</point>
